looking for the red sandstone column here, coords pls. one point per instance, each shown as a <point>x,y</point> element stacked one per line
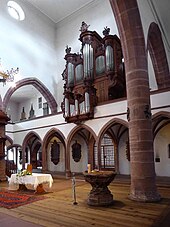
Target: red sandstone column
<point>143,186</point>
<point>3,121</point>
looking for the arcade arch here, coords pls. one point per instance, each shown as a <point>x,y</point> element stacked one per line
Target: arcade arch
<point>32,150</point>
<point>117,131</point>
<point>54,151</point>
<point>39,86</point>
<point>85,137</point>
<point>157,52</point>
<point>161,132</point>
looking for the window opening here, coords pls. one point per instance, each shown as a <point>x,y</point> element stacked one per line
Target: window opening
<point>15,10</point>
<point>45,108</point>
<point>107,153</point>
<point>40,102</point>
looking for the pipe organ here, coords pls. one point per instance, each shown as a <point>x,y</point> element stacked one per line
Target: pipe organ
<point>96,75</point>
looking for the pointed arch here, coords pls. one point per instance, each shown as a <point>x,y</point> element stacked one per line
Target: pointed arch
<point>76,129</point>
<point>38,85</point>
<point>115,121</point>
<point>157,52</point>
<point>48,136</point>
<point>13,145</point>
<point>160,120</point>
<point>30,135</point>
<point>25,142</point>
<point>89,137</point>
<point>9,139</point>
<point>115,128</point>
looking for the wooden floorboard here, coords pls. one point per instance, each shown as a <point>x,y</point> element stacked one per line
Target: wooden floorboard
<point>58,209</point>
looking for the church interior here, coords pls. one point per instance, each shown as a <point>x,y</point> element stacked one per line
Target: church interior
<point>85,90</point>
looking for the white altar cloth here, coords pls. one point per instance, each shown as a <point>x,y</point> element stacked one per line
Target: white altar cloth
<point>35,179</point>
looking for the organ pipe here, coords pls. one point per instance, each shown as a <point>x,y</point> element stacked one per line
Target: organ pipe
<point>70,74</point>
<point>87,102</point>
<point>66,107</point>
<point>109,58</point>
<point>76,107</point>
<point>88,60</point>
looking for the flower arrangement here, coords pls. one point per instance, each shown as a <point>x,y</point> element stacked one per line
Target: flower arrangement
<point>24,173</point>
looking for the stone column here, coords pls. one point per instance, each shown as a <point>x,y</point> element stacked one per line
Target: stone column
<point>3,121</point>
<point>143,186</point>
<point>67,161</point>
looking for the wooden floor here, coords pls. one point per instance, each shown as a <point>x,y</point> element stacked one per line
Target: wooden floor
<point>58,209</point>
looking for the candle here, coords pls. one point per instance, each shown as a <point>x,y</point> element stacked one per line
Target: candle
<point>89,168</point>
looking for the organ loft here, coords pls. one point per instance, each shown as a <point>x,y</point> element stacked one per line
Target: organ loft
<point>95,75</point>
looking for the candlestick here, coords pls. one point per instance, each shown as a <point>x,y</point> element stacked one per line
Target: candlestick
<point>89,168</point>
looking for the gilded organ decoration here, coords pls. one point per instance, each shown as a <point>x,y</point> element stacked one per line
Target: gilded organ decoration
<point>98,64</point>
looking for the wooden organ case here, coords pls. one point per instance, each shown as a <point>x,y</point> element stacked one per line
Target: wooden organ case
<point>94,76</point>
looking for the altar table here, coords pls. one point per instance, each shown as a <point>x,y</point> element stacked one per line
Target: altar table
<point>36,180</point>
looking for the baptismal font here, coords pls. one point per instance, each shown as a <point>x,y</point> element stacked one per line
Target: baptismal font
<point>99,195</point>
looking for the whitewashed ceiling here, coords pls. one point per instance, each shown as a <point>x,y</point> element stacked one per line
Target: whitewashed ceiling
<point>57,10</point>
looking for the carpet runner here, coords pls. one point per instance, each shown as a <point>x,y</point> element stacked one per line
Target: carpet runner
<point>11,200</point>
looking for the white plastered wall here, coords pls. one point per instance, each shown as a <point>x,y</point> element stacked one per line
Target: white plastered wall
<point>124,164</point>
<point>161,142</point>
<point>81,166</point>
<point>98,15</point>
<point>147,17</point>
<point>60,167</point>
<point>28,44</point>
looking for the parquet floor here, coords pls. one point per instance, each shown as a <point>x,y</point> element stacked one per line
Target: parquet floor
<point>58,209</point>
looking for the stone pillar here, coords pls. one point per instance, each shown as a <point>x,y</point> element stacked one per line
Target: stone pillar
<point>3,121</point>
<point>143,186</point>
<point>67,161</point>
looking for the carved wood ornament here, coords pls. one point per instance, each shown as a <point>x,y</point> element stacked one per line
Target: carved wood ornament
<point>95,75</point>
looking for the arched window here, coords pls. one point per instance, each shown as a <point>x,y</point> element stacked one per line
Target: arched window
<point>107,153</point>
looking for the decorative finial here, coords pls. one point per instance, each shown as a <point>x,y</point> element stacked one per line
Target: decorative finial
<point>106,31</point>
<point>68,50</point>
<point>84,27</point>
